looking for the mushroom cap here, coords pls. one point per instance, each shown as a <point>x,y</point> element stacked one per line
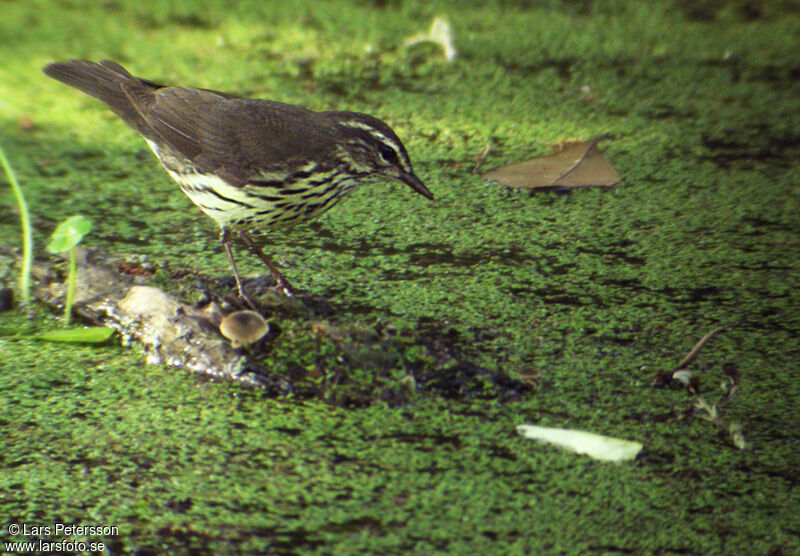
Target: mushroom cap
<point>243,328</point>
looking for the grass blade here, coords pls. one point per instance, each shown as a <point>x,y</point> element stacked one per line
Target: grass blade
<point>27,231</point>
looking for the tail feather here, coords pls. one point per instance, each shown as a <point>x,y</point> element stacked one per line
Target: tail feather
<point>103,81</point>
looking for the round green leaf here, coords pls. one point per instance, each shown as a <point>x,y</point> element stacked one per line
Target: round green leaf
<point>69,233</point>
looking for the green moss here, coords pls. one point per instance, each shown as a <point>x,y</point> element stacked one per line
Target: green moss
<point>584,296</point>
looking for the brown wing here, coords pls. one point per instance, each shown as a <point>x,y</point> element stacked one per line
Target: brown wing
<point>234,137</point>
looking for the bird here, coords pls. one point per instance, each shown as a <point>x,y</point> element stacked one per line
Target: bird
<point>248,163</point>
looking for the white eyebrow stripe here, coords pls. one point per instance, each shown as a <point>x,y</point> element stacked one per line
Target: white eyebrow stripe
<point>398,149</point>
<point>372,131</point>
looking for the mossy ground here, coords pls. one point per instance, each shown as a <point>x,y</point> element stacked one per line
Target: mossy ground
<point>589,293</point>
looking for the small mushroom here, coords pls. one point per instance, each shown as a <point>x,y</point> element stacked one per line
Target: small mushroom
<point>243,328</point>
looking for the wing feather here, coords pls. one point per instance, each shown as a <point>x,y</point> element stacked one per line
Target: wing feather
<point>233,137</point>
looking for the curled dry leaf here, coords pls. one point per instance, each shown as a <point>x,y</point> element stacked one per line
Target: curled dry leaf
<point>732,374</point>
<point>578,164</point>
<point>441,33</point>
<point>705,410</point>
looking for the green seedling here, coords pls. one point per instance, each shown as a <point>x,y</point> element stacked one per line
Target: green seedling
<point>27,231</point>
<point>66,237</point>
<point>90,335</point>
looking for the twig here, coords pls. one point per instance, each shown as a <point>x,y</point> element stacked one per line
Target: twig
<point>482,157</point>
<point>692,355</point>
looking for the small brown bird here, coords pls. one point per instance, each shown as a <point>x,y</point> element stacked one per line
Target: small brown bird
<point>247,162</point>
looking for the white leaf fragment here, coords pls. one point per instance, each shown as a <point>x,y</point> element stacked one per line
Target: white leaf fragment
<point>594,445</point>
<point>683,376</point>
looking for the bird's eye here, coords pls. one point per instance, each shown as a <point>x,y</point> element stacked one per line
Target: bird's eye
<point>388,154</point>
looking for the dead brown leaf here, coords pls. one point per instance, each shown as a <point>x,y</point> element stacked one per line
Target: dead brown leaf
<point>578,164</point>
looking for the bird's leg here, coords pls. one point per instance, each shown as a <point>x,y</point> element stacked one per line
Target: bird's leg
<point>223,237</point>
<point>283,283</point>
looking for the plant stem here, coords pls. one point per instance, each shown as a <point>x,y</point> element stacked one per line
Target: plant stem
<point>27,232</point>
<point>72,280</point>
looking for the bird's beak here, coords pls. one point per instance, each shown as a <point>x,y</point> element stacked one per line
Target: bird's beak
<point>416,184</point>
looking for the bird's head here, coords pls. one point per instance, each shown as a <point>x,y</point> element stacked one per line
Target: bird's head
<point>371,148</point>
